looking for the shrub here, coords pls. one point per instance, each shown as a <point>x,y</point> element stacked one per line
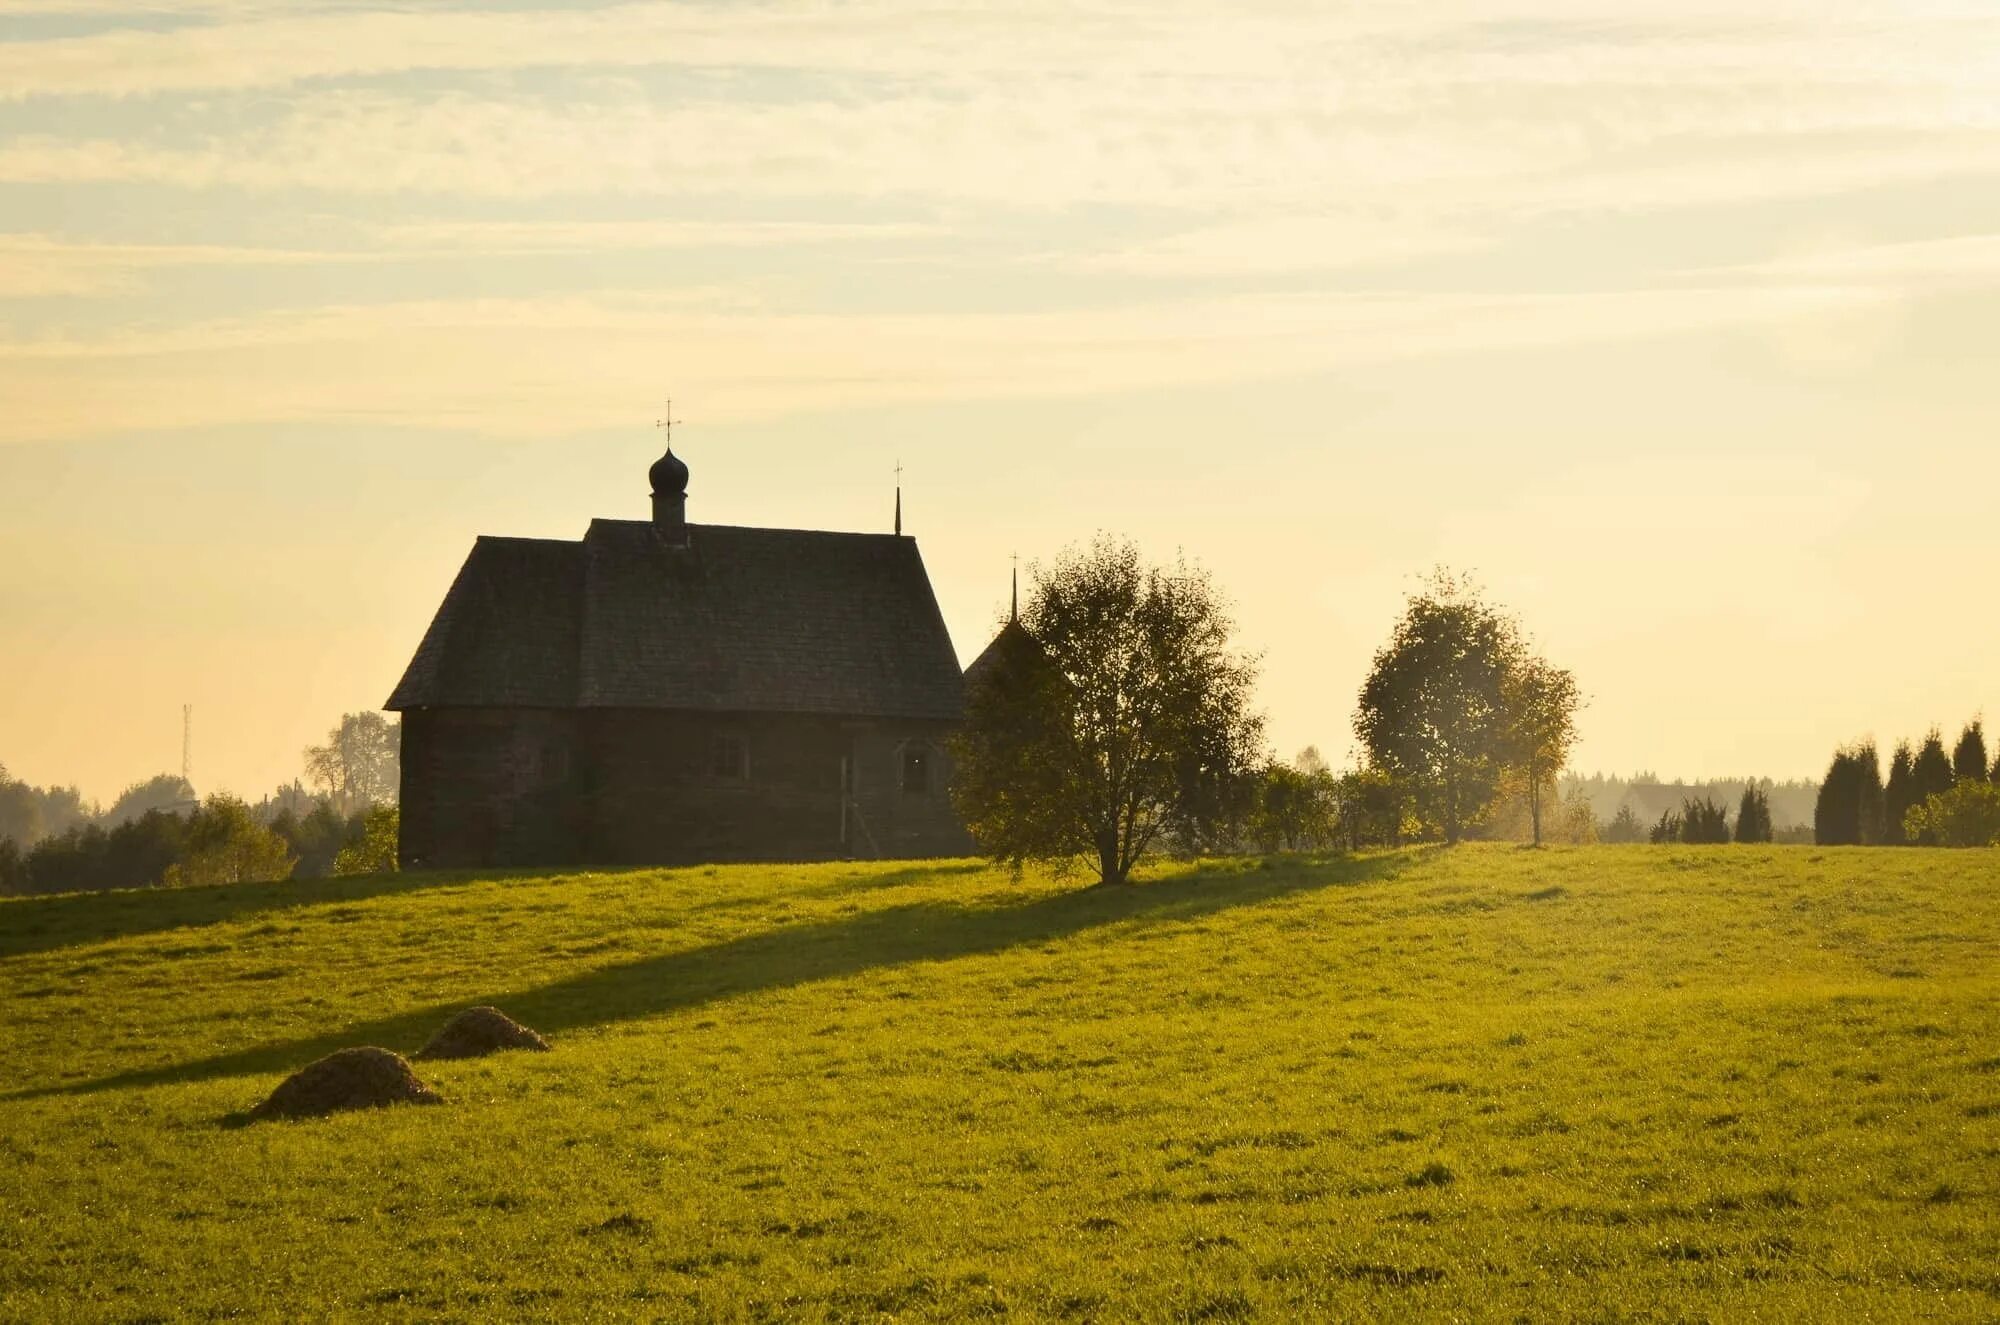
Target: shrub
<point>1703,822</point>
<point>375,853</point>
<point>1625,827</point>
<point>1966,816</point>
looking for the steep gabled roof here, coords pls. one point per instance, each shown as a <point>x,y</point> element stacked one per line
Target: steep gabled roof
<point>1012,646</point>
<point>739,620</point>
<point>507,633</point>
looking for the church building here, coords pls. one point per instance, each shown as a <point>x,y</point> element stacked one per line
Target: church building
<point>666,692</point>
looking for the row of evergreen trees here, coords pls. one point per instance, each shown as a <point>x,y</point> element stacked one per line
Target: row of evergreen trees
<point>1856,807</point>
<point>1703,820</point>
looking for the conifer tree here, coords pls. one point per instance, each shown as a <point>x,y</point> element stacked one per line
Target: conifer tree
<point>1873,814</point>
<point>1753,816</point>
<point>1899,796</point>
<point>1930,776</point>
<point>1968,761</point>
<point>1851,810</point>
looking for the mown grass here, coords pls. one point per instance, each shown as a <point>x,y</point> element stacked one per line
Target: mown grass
<point>1490,1083</point>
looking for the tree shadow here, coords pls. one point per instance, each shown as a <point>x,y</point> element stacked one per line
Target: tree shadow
<point>785,957</point>
<point>67,920</point>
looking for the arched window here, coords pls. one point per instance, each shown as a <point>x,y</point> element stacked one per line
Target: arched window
<point>917,760</point>
<point>729,758</point>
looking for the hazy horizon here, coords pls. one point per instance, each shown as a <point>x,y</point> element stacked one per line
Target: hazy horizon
<point>1673,329</point>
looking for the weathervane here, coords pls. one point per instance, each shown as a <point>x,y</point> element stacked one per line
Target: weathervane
<point>666,424</point>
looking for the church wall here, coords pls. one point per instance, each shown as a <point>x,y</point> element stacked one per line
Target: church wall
<point>488,787</point>
<point>519,787</point>
<point>686,787</point>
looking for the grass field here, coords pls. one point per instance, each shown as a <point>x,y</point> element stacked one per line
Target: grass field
<point>1611,1083</point>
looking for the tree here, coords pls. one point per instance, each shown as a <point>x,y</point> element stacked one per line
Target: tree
<point>20,813</point>
<point>1433,711</point>
<point>375,853</point>
<point>1374,808</point>
<point>1540,701</point>
<point>1121,719</point>
<point>1753,816</point>
<point>1703,822</point>
<point>360,764</point>
<point>1297,808</point>
<point>162,791</point>
<point>317,837</point>
<point>1668,830</point>
<point>225,844</point>
<point>1899,795</point>
<point>1930,775</point>
<point>1966,816</point>
<point>1850,810</point>
<point>1625,827</point>
<point>13,868</point>
<point>1968,760</point>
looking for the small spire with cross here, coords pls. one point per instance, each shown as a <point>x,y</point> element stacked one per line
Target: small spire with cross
<point>899,497</point>
<point>1014,605</point>
<point>666,422</point>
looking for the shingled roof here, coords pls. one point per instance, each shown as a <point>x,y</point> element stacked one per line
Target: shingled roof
<point>738,620</point>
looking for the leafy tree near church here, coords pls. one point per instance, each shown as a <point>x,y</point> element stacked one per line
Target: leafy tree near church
<point>1456,699</point>
<point>360,763</point>
<point>1540,701</point>
<point>375,853</point>
<point>1120,722</point>
<point>224,844</point>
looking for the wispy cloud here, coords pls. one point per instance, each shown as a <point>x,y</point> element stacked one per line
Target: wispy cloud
<point>543,367</point>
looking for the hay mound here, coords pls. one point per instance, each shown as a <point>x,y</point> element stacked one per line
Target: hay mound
<point>346,1079</point>
<point>477,1032</point>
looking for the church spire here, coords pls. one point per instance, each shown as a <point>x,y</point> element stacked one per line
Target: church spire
<point>669,476</point>
<point>1014,601</point>
<point>899,499</point>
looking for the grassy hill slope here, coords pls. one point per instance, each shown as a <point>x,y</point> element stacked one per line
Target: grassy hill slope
<point>1611,1082</point>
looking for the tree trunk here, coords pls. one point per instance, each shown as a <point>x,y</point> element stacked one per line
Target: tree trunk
<point>1107,859</point>
<point>1535,806</point>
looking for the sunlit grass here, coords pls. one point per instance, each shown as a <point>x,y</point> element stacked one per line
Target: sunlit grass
<point>1725,1083</point>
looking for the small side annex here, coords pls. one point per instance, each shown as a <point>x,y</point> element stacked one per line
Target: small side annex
<point>661,692</point>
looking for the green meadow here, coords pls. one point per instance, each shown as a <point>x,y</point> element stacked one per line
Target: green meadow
<point>1487,1083</point>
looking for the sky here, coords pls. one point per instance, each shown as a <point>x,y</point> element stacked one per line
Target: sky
<point>1672,322</point>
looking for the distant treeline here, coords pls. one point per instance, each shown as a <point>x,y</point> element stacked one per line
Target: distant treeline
<point>1648,798</point>
<point>159,833</point>
<point>1933,796</point>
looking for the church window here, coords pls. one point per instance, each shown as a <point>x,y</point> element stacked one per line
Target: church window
<point>916,769</point>
<point>729,758</point>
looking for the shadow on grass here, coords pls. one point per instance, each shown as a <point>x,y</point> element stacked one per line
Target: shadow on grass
<point>31,925</point>
<point>788,956</point>
<point>44,924</point>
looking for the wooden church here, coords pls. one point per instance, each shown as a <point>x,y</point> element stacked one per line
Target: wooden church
<point>663,692</point>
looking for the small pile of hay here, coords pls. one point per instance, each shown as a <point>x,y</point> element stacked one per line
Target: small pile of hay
<point>346,1079</point>
<point>477,1032</point>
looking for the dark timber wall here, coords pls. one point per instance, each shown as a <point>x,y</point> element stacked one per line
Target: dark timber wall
<point>614,786</point>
